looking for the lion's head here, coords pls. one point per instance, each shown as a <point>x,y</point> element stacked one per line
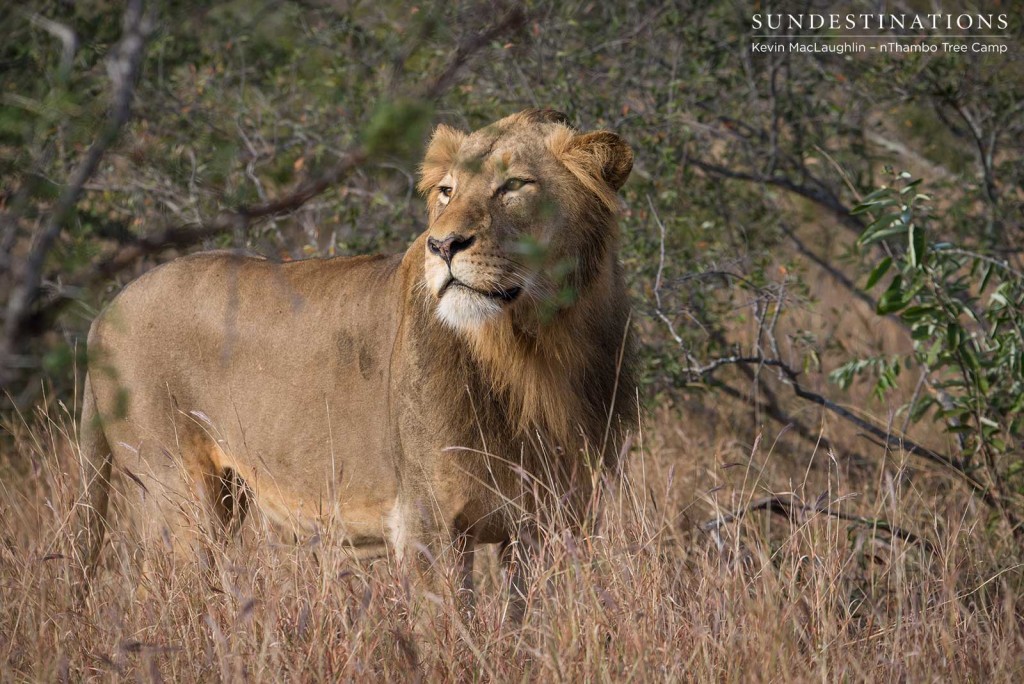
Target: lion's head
<point>520,216</point>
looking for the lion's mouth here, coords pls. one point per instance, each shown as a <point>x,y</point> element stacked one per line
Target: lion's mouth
<point>504,295</point>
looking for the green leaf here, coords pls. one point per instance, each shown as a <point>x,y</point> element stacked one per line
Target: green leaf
<point>910,186</point>
<point>954,334</point>
<point>879,228</point>
<point>999,296</point>
<point>922,332</point>
<point>960,429</point>
<point>893,298</point>
<point>916,245</point>
<point>915,313</point>
<point>984,279</point>
<point>877,272</point>
<point>920,407</point>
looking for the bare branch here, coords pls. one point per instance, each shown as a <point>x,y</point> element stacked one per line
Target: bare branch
<point>123,67</point>
<point>63,33</point>
<point>818,196</point>
<point>836,274</point>
<point>791,507</point>
<point>513,20</point>
<point>985,150</point>
<point>658,281</point>
<point>890,440</point>
<point>227,221</point>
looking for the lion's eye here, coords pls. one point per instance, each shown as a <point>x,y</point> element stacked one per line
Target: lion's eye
<point>445,194</point>
<point>513,184</point>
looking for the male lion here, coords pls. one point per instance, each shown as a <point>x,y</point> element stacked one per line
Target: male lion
<point>418,401</point>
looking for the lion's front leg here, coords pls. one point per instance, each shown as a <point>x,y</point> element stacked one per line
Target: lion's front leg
<point>437,549</point>
<point>464,549</point>
<point>517,560</point>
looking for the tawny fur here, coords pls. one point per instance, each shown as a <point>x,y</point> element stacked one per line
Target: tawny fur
<point>334,390</point>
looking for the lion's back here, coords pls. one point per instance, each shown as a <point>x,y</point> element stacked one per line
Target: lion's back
<point>220,332</point>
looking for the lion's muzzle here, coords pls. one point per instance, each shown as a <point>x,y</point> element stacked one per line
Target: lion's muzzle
<point>449,246</point>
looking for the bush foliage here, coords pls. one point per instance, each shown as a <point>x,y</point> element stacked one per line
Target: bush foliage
<point>824,246</point>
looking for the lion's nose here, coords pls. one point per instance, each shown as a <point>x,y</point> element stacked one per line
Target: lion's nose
<point>449,247</point>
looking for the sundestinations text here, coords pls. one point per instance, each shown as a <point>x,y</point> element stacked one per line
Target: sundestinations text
<point>883,22</point>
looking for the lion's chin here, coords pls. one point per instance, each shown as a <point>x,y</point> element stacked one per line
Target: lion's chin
<point>463,309</point>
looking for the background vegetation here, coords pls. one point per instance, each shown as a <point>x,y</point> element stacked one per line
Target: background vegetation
<point>824,254</point>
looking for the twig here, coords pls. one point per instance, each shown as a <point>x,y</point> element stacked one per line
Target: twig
<point>985,151</point>
<point>999,263</point>
<point>771,407</point>
<point>513,20</point>
<point>63,33</point>
<point>798,389</point>
<point>836,274</point>
<point>657,280</point>
<point>820,197</point>
<point>791,506</point>
<point>887,438</point>
<point>123,67</point>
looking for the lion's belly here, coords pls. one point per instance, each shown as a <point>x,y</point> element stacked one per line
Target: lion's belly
<point>303,421</point>
<point>321,461</point>
<point>360,525</point>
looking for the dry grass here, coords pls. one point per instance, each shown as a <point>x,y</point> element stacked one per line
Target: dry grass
<point>647,596</point>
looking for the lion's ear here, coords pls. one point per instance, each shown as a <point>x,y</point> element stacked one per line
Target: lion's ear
<point>444,145</point>
<point>546,115</point>
<point>607,155</point>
